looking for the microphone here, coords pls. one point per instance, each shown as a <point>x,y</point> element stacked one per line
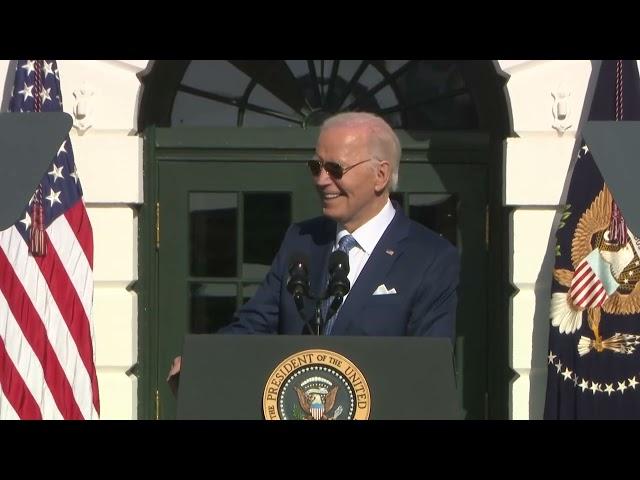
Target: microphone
<point>339,284</point>
<point>298,282</point>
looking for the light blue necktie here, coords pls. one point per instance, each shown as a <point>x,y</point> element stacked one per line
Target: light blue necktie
<point>345,244</point>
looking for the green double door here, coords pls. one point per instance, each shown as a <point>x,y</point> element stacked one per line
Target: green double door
<point>224,201</point>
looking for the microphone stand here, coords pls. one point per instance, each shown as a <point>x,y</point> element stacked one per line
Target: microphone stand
<point>299,301</point>
<point>317,320</point>
<point>319,323</point>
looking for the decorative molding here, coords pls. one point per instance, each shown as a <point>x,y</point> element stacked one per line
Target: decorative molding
<point>83,117</point>
<point>561,109</point>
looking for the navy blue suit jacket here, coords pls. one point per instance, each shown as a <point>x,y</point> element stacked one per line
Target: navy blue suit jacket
<point>421,266</point>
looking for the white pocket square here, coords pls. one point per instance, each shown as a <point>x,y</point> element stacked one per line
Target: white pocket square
<point>382,290</point>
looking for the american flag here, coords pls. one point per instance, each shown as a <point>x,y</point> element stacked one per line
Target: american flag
<point>47,366</point>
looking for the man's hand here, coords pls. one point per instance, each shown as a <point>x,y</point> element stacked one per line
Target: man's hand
<point>173,379</point>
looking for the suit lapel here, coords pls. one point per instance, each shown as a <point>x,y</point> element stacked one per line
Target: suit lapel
<point>389,248</point>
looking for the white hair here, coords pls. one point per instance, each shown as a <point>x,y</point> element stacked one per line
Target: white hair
<point>384,142</point>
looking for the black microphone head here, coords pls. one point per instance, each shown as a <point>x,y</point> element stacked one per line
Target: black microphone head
<point>339,261</point>
<point>298,282</point>
<point>338,270</point>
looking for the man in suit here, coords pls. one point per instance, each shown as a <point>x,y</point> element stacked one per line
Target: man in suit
<point>403,276</point>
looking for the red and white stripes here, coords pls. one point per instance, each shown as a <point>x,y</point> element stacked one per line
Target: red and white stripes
<point>587,291</point>
<point>47,367</point>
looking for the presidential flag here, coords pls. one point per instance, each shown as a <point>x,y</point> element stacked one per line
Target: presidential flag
<point>593,357</point>
<point>47,352</point>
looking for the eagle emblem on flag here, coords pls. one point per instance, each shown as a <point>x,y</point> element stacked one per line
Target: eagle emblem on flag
<point>606,278</point>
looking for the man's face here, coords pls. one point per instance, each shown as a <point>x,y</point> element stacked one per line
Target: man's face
<point>358,195</point>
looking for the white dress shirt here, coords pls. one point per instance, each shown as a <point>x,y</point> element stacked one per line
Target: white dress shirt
<point>367,236</point>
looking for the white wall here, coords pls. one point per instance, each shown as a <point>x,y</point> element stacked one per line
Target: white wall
<point>109,160</point>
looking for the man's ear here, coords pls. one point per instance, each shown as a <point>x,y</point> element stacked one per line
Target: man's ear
<point>383,176</point>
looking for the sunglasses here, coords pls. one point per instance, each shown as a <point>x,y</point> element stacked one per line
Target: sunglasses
<point>334,169</point>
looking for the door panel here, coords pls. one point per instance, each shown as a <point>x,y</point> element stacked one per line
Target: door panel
<point>221,225</point>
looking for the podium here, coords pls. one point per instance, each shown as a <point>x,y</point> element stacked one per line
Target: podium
<point>252,377</point>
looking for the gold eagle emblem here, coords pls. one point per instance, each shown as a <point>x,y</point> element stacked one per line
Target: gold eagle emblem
<point>592,232</point>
